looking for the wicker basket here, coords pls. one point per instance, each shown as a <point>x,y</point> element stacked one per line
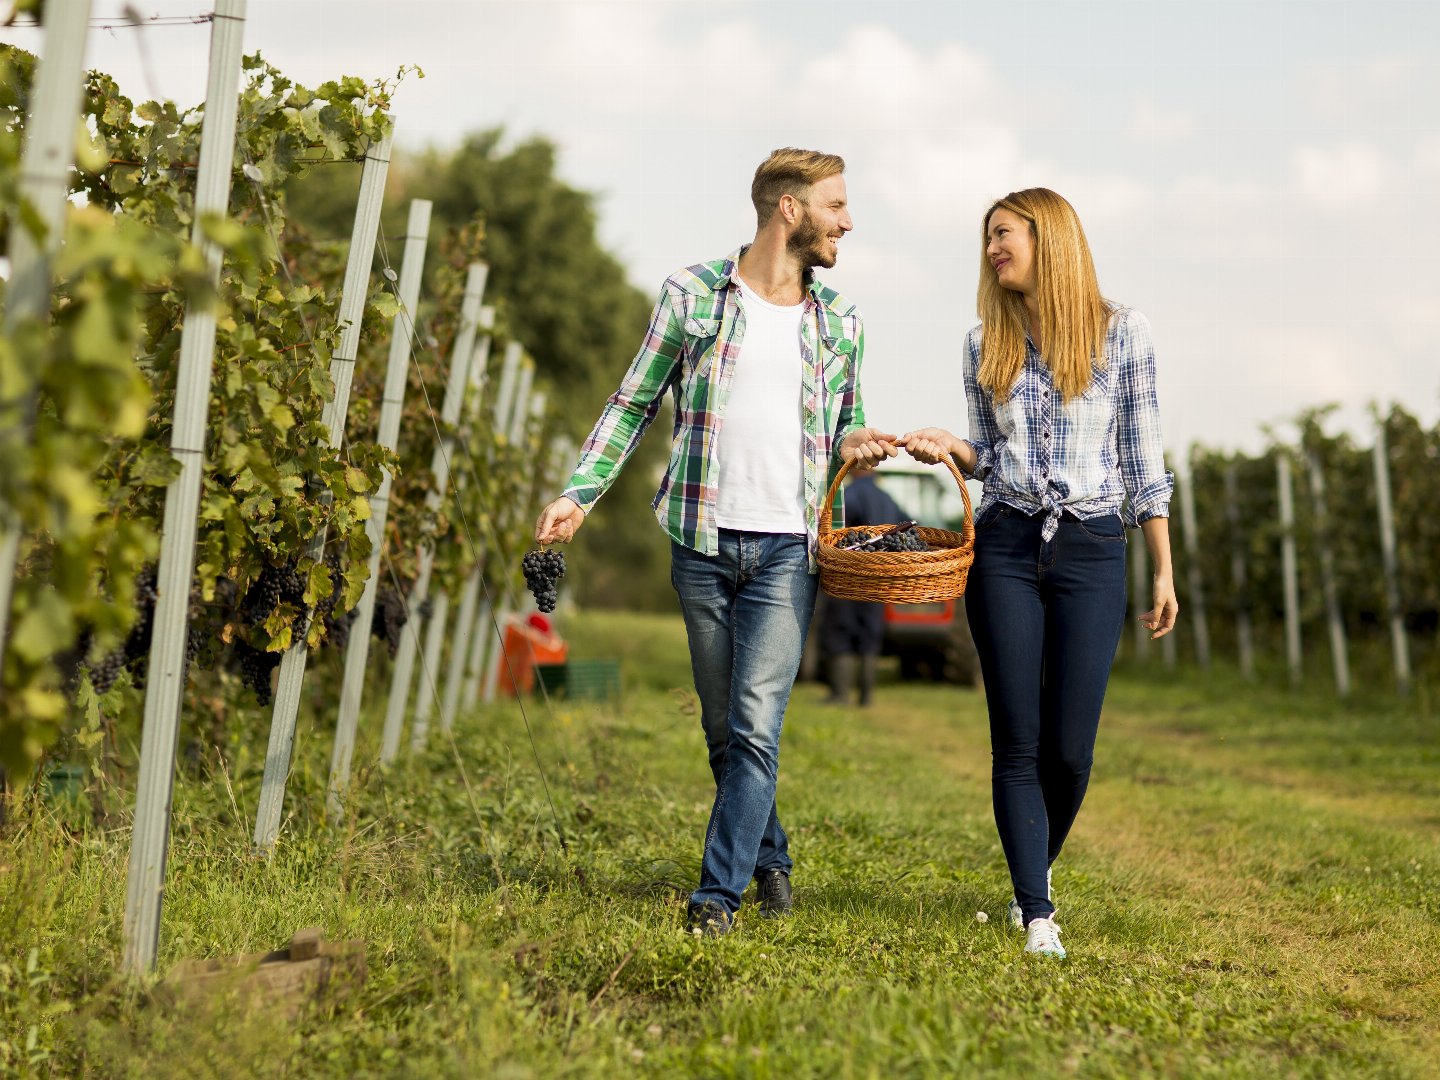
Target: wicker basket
<point>906,577</point>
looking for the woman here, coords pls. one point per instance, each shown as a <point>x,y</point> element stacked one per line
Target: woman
<point>1064,426</point>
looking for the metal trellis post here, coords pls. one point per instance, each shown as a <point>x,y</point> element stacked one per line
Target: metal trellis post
<point>342,373</point>
<point>165,688</point>
<point>1244,639</point>
<point>1197,617</point>
<point>1399,643</point>
<point>357,649</point>
<point>45,184</point>
<point>1288,567</point>
<point>1339,651</point>
<point>460,358</point>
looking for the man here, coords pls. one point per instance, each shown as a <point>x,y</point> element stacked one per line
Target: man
<point>763,363</point>
<point>856,628</point>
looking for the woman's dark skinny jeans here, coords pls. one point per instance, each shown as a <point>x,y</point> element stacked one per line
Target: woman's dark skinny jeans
<point>1046,617</point>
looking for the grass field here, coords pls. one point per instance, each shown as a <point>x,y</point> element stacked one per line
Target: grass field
<point>1250,891</point>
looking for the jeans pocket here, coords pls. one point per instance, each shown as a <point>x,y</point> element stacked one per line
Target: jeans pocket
<point>1108,529</point>
<point>996,513</point>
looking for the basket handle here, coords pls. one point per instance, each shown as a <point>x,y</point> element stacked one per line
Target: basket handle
<point>967,530</point>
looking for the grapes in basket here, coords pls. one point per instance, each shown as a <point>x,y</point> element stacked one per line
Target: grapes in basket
<point>902,537</point>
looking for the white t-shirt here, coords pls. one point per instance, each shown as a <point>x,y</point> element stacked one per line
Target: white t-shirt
<point>761,449</point>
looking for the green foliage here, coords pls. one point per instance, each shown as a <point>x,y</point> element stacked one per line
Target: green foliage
<point>89,485</point>
<point>539,239</point>
<point>1347,523</point>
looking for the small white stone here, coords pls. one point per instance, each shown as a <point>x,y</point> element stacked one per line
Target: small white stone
<point>980,916</point>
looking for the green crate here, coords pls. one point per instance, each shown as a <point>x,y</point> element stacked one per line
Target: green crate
<point>590,679</point>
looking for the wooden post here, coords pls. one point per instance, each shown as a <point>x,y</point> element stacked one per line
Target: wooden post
<point>44,183</point>
<point>1287,566</point>
<point>1399,643</point>
<point>150,838</point>
<point>1244,640</point>
<point>1197,618</point>
<point>455,384</point>
<point>1339,652</point>
<point>342,373</point>
<point>392,405</point>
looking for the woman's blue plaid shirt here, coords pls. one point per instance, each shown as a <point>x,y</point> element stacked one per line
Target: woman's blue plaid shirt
<point>1084,456</point>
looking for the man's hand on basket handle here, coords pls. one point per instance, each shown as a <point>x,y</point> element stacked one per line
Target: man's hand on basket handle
<point>559,521</point>
<point>866,447</point>
<point>933,445</point>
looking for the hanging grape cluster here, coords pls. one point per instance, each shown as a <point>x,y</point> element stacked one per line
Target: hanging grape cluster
<point>276,585</point>
<point>543,571</point>
<point>255,668</point>
<point>389,618</point>
<point>134,653</point>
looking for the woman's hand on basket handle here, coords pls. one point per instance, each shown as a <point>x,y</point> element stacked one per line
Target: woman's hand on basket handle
<point>866,447</point>
<point>933,445</point>
<point>559,521</point>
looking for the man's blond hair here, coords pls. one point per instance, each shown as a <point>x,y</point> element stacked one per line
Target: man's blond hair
<point>789,171</point>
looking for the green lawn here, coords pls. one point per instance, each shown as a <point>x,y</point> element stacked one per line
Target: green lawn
<point>1250,891</point>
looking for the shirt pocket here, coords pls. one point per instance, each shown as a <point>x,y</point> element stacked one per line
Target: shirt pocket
<point>837,354</point>
<point>702,333</point>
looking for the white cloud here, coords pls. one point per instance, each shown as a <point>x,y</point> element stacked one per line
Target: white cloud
<point>1340,177</point>
<point>1150,121</point>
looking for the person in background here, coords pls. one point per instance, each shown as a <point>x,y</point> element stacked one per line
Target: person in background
<point>762,361</point>
<point>852,630</point>
<point>1065,434</point>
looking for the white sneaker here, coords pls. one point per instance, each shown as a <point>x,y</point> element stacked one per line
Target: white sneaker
<point>1017,917</point>
<point>1042,936</point>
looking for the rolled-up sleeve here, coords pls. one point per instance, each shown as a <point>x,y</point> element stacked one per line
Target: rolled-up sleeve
<point>1140,445</point>
<point>632,407</point>
<point>984,434</point>
<point>851,414</point>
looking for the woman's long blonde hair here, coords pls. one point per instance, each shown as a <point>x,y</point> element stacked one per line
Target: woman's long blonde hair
<point>1074,316</point>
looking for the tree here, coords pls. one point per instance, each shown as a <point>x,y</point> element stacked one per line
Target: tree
<point>563,296</point>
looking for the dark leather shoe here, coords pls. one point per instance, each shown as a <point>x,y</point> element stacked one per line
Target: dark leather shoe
<point>772,893</point>
<point>708,920</point>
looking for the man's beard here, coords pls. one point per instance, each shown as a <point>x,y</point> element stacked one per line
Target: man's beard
<point>807,244</point>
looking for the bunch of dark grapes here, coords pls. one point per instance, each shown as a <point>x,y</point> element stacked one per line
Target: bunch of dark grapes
<point>134,653</point>
<point>255,668</point>
<point>195,639</point>
<point>389,618</point>
<point>543,570</point>
<point>276,585</point>
<point>337,627</point>
<point>909,540</point>
<point>905,538</point>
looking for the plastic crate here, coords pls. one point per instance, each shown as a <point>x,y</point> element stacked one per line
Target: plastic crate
<point>595,680</point>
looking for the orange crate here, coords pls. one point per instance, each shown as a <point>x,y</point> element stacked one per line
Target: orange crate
<point>526,646</point>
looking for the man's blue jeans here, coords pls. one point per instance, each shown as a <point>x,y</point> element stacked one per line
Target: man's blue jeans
<point>747,610</point>
<point>1046,617</point>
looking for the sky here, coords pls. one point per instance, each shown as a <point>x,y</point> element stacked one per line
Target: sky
<point>1260,178</point>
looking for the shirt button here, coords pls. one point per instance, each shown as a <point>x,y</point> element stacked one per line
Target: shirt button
<point>1047,436</point>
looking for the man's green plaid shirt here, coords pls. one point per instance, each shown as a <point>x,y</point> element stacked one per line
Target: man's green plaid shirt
<point>690,349</point>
